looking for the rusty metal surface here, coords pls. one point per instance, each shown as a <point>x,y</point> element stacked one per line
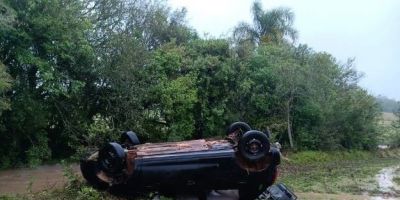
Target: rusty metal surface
<point>149,149</point>
<point>130,166</point>
<point>252,166</point>
<point>153,149</point>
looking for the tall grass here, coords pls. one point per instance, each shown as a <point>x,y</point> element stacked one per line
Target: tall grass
<point>314,157</point>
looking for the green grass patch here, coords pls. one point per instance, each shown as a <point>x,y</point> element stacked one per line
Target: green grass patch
<point>315,157</point>
<point>388,117</point>
<point>396,179</point>
<point>335,172</point>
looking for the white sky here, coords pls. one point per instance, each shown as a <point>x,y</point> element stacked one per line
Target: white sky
<point>368,30</point>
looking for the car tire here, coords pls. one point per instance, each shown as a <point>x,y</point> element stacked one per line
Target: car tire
<point>89,169</point>
<point>254,145</point>
<point>112,158</point>
<point>129,138</point>
<point>242,126</point>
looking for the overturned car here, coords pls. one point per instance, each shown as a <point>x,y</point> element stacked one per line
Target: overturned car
<point>243,160</point>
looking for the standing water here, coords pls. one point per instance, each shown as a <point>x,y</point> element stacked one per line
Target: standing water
<point>386,185</point>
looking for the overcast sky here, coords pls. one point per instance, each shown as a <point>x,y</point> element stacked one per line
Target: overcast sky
<point>368,30</point>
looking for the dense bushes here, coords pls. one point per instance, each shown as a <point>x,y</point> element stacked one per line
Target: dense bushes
<point>83,71</point>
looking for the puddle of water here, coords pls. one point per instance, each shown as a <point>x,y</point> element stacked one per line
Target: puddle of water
<point>385,179</point>
<point>386,185</point>
<point>384,198</point>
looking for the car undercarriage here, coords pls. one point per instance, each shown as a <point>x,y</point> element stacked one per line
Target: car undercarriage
<point>243,160</point>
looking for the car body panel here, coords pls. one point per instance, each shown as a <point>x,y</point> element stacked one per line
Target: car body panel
<point>181,167</point>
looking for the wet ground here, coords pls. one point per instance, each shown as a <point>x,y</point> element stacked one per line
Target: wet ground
<point>20,181</point>
<point>388,189</point>
<point>24,180</point>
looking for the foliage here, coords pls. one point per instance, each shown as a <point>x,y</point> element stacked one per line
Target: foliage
<point>387,104</point>
<point>48,56</point>
<point>396,179</point>
<point>5,85</point>
<point>275,25</point>
<point>75,74</point>
<point>395,134</point>
<point>307,95</point>
<point>98,133</point>
<point>389,135</point>
<point>389,130</point>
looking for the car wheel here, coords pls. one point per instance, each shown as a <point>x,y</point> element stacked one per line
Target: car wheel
<point>112,158</point>
<point>238,127</point>
<point>89,170</point>
<point>129,138</point>
<point>254,145</point>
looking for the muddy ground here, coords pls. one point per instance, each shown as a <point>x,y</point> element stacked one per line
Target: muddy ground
<point>24,180</point>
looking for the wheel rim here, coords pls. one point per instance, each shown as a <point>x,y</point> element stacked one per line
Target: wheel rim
<point>111,158</point>
<point>254,146</point>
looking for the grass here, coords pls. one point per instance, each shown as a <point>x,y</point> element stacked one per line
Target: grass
<point>336,172</point>
<point>318,157</point>
<point>388,134</point>
<point>396,179</point>
<point>388,116</point>
<point>350,172</point>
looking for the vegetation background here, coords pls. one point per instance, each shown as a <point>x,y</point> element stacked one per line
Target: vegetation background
<point>74,74</point>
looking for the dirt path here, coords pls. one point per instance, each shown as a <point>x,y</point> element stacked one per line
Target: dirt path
<point>20,181</point>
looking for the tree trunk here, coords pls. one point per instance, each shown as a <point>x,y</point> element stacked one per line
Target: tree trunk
<point>289,129</point>
<point>199,122</point>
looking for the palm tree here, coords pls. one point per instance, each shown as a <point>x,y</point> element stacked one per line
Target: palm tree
<point>274,25</point>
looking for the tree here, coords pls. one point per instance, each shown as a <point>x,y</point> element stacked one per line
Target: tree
<point>275,25</point>
<point>50,59</point>
<point>5,85</point>
<point>7,18</point>
<point>191,88</point>
<point>396,123</point>
<point>129,39</point>
<point>83,71</point>
<point>304,97</point>
<point>152,22</point>
<point>173,94</point>
<point>387,104</point>
<point>287,79</point>
<point>394,137</point>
